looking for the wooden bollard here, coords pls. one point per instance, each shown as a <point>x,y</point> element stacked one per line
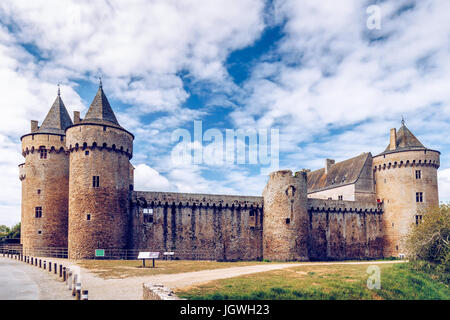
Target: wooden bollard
<point>32,262</point>
<point>60,270</point>
<point>69,280</point>
<point>49,266</point>
<point>74,284</point>
<point>45,265</point>
<point>64,274</point>
<point>55,268</point>
<point>84,295</point>
<point>78,291</point>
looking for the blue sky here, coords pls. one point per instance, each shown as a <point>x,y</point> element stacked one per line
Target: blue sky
<point>311,69</point>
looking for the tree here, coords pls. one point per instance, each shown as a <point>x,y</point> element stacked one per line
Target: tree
<point>4,231</point>
<point>430,239</point>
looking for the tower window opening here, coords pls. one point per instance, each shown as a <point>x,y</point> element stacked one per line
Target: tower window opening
<point>96,181</point>
<point>38,212</point>
<point>418,219</point>
<point>419,196</point>
<point>43,153</point>
<point>418,174</point>
<point>341,197</point>
<point>86,153</point>
<point>39,231</point>
<point>288,221</point>
<point>62,138</point>
<point>88,216</point>
<point>38,191</point>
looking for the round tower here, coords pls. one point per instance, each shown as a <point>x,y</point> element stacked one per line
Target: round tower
<point>100,181</point>
<point>45,181</point>
<point>405,176</point>
<point>285,221</point>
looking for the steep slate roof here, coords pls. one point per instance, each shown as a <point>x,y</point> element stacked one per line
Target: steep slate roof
<point>57,119</point>
<point>341,173</point>
<point>405,141</point>
<point>100,110</point>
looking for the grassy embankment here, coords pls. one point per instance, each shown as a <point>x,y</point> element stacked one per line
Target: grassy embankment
<point>328,282</point>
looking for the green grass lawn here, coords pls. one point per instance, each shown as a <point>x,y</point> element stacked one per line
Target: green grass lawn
<point>331,282</point>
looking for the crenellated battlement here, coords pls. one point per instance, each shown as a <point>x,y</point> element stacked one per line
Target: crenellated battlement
<point>150,199</point>
<point>342,206</point>
<point>112,148</point>
<point>404,159</point>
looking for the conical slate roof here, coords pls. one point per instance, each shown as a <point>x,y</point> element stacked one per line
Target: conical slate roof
<point>405,140</point>
<point>100,110</point>
<point>57,119</point>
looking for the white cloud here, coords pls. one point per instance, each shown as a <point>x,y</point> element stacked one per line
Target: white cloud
<point>148,179</point>
<point>444,185</point>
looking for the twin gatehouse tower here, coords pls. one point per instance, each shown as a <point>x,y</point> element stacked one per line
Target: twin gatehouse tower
<point>77,193</point>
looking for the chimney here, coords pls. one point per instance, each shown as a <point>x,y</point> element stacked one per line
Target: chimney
<point>76,117</point>
<point>393,139</point>
<point>328,164</point>
<point>34,126</point>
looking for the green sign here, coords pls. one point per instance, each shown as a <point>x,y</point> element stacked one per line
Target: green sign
<point>99,252</point>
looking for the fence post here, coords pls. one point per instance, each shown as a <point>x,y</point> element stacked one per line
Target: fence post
<point>55,268</point>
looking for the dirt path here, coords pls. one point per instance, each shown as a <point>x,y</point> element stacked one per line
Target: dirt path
<point>131,288</point>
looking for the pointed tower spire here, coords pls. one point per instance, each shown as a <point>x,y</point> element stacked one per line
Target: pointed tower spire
<point>403,121</point>
<point>403,139</point>
<point>100,109</point>
<point>57,119</point>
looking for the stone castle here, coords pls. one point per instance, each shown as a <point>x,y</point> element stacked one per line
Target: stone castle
<point>77,193</point>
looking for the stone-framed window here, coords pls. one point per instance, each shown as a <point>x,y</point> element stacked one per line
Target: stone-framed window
<point>88,216</point>
<point>86,153</point>
<point>39,232</point>
<point>148,215</point>
<point>419,196</point>
<point>42,153</point>
<point>38,191</point>
<point>341,197</point>
<point>38,212</point>
<point>96,181</point>
<point>288,220</point>
<point>418,174</point>
<point>419,219</point>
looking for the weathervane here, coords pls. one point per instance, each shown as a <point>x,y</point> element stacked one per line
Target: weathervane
<point>59,90</point>
<point>403,121</point>
<point>100,82</point>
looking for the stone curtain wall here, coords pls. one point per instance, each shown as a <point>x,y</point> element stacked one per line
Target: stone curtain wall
<point>216,227</point>
<point>342,230</point>
<point>198,226</point>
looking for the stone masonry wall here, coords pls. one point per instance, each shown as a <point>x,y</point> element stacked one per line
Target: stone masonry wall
<point>198,226</point>
<point>345,230</point>
<point>45,184</point>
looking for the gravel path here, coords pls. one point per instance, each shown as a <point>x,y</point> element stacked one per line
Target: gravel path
<point>131,288</point>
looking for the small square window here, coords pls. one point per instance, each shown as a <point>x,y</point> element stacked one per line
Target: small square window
<point>38,191</point>
<point>39,232</point>
<point>38,212</point>
<point>418,174</point>
<point>43,153</point>
<point>88,216</point>
<point>95,181</point>
<point>86,153</point>
<point>288,221</point>
<point>419,196</point>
